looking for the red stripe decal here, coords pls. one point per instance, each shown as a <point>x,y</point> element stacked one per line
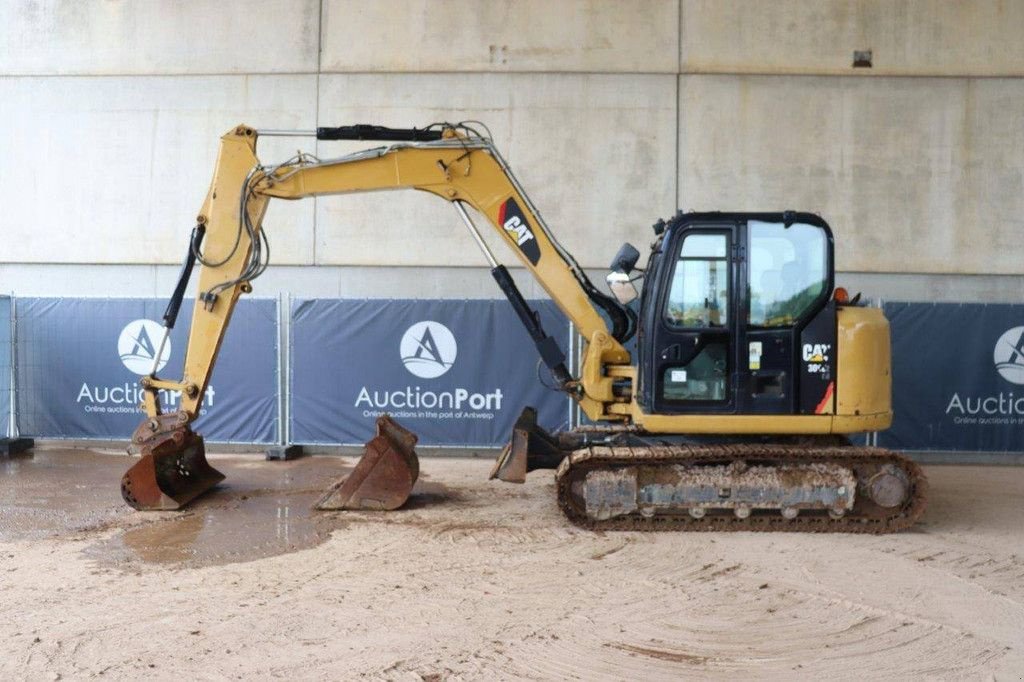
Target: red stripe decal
<point>501,212</point>
<point>826,400</point>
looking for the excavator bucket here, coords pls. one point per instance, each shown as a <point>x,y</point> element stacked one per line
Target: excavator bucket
<point>529,448</point>
<point>384,476</point>
<point>173,471</point>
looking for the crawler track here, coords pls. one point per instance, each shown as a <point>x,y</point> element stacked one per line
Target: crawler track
<point>865,516</point>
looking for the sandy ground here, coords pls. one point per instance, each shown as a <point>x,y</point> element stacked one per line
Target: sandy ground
<point>481,580</point>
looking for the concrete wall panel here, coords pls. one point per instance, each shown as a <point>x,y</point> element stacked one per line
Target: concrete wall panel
<point>32,279</point>
<point>97,37</point>
<point>907,37</point>
<point>501,35</point>
<point>114,170</point>
<point>915,175</point>
<point>595,153</point>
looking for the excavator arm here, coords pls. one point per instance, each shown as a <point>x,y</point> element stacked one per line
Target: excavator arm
<point>454,163</point>
<point>460,169</point>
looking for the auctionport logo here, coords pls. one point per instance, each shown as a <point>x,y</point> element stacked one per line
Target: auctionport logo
<point>428,349</point>
<point>1002,408</point>
<point>137,346</point>
<point>1009,355</point>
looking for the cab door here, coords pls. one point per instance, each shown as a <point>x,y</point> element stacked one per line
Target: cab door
<point>790,280</point>
<point>693,349</point>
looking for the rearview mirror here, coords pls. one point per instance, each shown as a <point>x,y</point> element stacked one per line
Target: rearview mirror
<point>625,260</point>
<point>621,287</point>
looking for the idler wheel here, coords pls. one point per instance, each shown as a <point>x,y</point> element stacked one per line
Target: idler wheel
<point>889,487</point>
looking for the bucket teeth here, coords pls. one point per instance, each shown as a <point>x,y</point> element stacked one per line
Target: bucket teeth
<point>173,470</point>
<point>383,477</point>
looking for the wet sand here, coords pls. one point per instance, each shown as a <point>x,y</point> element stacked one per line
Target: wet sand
<point>482,580</point>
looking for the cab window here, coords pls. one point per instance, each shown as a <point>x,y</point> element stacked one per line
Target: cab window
<point>788,271</point>
<point>699,295</point>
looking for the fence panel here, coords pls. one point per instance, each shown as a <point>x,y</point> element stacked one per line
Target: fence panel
<point>455,372</point>
<point>958,377</point>
<point>6,374</point>
<point>80,360</point>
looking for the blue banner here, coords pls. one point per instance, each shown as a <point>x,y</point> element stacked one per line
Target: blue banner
<point>80,361</point>
<point>6,357</point>
<point>958,377</point>
<point>455,372</point>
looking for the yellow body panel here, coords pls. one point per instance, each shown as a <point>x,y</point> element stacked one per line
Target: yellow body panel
<point>864,365</point>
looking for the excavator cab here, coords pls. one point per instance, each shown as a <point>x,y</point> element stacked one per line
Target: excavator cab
<point>730,302</point>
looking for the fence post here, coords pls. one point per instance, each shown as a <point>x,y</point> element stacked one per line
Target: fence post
<point>284,450</point>
<point>13,443</point>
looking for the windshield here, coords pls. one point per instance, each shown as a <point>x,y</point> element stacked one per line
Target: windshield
<point>788,271</point>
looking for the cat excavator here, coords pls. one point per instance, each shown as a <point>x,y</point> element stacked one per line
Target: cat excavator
<point>751,370</point>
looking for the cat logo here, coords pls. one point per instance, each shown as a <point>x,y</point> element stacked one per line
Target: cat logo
<point>816,352</point>
<point>511,217</point>
<point>522,232</point>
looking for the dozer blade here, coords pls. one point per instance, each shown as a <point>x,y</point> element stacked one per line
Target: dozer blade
<point>173,470</point>
<point>529,448</point>
<point>384,476</point>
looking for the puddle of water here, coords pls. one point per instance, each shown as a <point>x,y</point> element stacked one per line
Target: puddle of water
<point>262,509</point>
<point>213,534</point>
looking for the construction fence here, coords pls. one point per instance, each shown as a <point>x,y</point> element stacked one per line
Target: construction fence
<point>80,361</point>
<point>456,372</point>
<point>7,422</point>
<point>958,378</point>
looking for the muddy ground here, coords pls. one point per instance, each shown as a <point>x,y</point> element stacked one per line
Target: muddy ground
<point>481,580</point>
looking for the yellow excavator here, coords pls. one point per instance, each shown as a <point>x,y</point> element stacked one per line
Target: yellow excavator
<point>751,369</point>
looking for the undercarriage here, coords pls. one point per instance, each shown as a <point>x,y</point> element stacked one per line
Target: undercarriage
<point>622,479</point>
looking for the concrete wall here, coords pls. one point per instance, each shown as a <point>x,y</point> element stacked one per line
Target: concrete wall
<point>590,36</point>
<point>906,37</point>
<point>612,113</point>
<point>914,174</point>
